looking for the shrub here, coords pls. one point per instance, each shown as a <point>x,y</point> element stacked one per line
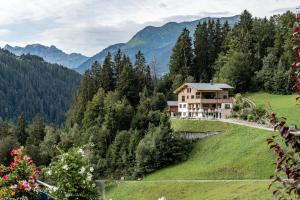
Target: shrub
<point>19,179</point>
<point>250,118</point>
<point>236,108</point>
<point>72,177</point>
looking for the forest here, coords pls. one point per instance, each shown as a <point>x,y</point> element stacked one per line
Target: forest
<point>30,85</point>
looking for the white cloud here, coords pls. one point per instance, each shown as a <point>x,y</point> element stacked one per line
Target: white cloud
<point>87,26</point>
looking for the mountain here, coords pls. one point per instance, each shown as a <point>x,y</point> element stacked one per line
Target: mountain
<point>154,42</point>
<point>50,54</point>
<point>31,85</point>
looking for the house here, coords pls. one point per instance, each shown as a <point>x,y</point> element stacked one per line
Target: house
<point>202,100</point>
<point>172,108</point>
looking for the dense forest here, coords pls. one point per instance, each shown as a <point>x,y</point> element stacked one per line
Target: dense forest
<point>254,55</point>
<point>117,116</point>
<point>30,85</point>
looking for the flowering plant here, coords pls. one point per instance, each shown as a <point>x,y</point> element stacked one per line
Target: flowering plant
<point>19,178</point>
<point>72,177</point>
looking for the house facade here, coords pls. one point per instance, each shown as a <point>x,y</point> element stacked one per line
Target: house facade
<point>203,100</point>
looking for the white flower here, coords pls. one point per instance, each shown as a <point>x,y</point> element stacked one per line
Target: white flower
<point>82,170</point>
<point>89,176</point>
<point>49,172</point>
<point>81,151</point>
<point>92,169</point>
<point>54,189</point>
<point>65,167</point>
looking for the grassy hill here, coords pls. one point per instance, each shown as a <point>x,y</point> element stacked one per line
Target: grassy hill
<point>283,105</point>
<point>238,153</point>
<point>144,190</point>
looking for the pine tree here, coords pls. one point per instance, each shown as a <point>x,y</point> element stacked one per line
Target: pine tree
<point>182,55</point>
<point>200,62</point>
<point>117,66</point>
<point>106,75</point>
<point>127,82</point>
<point>21,129</point>
<point>143,72</point>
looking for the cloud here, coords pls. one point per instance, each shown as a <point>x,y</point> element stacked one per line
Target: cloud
<point>282,10</point>
<point>4,32</point>
<point>163,5</point>
<point>87,26</point>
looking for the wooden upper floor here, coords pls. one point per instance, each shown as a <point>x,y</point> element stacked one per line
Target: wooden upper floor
<point>204,93</point>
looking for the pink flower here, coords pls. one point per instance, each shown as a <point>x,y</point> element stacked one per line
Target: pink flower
<point>15,186</point>
<point>5,177</point>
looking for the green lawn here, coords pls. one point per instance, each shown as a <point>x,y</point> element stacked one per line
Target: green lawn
<point>198,126</point>
<point>283,105</point>
<point>238,153</point>
<point>190,191</point>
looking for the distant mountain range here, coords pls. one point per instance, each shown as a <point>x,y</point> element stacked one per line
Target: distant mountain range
<point>155,42</point>
<point>50,54</point>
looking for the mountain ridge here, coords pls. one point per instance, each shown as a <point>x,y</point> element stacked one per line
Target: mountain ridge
<point>156,42</point>
<point>50,54</point>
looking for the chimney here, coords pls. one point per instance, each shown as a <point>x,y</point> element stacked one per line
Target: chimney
<point>211,82</point>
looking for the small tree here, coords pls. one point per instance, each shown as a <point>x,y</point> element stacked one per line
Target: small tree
<point>72,176</point>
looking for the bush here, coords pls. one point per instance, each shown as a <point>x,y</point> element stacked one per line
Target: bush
<point>236,108</point>
<point>251,118</point>
<point>160,148</point>
<point>19,179</point>
<point>72,177</point>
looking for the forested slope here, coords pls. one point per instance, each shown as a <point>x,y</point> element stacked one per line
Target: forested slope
<point>29,84</point>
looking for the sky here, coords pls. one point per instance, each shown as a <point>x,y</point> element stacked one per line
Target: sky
<point>88,26</point>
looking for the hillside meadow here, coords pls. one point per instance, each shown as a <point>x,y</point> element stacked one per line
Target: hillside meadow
<point>283,105</point>
<point>238,153</point>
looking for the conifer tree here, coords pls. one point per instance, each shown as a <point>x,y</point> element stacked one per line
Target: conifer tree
<point>21,129</point>
<point>200,62</point>
<point>143,72</point>
<point>182,55</point>
<point>106,75</point>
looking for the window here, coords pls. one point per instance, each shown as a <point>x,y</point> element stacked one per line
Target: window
<point>187,96</point>
<point>183,98</point>
<point>180,106</point>
<point>227,106</point>
<point>183,114</point>
<point>189,90</point>
<point>197,95</point>
<point>184,105</point>
<point>225,97</point>
<point>192,97</point>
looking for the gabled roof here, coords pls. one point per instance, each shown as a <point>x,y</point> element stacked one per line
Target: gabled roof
<point>204,86</point>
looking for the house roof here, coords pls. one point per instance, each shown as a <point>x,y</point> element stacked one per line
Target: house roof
<point>172,103</point>
<point>204,86</point>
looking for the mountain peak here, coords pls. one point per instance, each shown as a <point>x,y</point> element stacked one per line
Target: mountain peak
<point>50,54</point>
<point>154,42</point>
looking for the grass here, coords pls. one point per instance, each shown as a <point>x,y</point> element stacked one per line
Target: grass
<point>198,126</point>
<point>283,105</point>
<point>239,153</point>
<point>190,191</point>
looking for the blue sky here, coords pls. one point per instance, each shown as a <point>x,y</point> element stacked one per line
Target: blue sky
<point>88,26</point>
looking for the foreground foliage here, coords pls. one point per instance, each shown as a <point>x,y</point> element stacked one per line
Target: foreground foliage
<point>19,178</point>
<point>72,176</point>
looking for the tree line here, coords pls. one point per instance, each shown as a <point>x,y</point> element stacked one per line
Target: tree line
<point>253,55</point>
